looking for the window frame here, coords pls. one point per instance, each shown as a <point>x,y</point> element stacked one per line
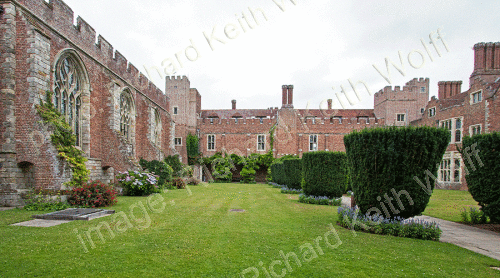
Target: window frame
<point>126,117</point>
<point>178,139</point>
<point>472,129</point>
<point>479,99</point>
<point>175,110</point>
<point>432,112</point>
<point>68,97</point>
<point>211,143</point>
<point>312,147</point>
<point>398,117</point>
<point>261,144</point>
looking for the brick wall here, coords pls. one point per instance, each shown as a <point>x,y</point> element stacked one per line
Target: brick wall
<point>35,35</point>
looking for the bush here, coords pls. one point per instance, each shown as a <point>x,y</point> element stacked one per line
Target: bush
<point>248,174</point>
<point>193,149</point>
<point>176,164</point>
<point>44,202</point>
<point>350,218</point>
<point>179,183</point>
<point>388,160</point>
<point>137,183</point>
<point>220,167</point>
<point>192,181</point>
<point>159,168</point>
<point>93,195</point>
<point>324,174</point>
<point>481,154</point>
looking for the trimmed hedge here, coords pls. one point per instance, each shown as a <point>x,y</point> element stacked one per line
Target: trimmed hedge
<point>388,160</point>
<point>293,173</point>
<point>481,154</point>
<point>279,172</point>
<point>324,174</point>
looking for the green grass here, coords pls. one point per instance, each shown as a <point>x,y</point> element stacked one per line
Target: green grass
<point>448,204</point>
<point>197,236</point>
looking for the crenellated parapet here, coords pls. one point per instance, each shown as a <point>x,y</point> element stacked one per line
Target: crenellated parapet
<point>56,19</point>
<point>412,88</point>
<point>235,122</point>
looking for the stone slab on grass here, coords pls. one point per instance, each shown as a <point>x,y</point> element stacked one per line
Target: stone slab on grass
<point>41,223</point>
<point>75,214</point>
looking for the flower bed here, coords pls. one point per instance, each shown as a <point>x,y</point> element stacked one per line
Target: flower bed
<point>285,189</point>
<point>411,228</point>
<point>319,200</point>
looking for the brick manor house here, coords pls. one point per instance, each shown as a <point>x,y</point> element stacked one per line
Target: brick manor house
<point>119,116</point>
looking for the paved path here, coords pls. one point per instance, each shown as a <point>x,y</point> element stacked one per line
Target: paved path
<point>478,240</point>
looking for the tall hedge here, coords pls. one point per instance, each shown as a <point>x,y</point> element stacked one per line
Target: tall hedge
<point>278,170</point>
<point>293,173</point>
<point>481,156</point>
<point>324,173</point>
<point>388,161</point>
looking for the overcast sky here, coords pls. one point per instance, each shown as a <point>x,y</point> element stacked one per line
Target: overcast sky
<point>317,46</point>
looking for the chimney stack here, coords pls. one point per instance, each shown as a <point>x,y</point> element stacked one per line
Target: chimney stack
<point>234,104</point>
<point>284,96</point>
<point>290,96</point>
<point>486,61</point>
<point>330,101</point>
<point>449,89</point>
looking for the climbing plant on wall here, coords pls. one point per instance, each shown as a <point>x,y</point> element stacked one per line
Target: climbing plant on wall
<point>64,140</point>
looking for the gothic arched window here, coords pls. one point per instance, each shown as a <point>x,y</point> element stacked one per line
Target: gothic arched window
<point>125,114</point>
<point>156,127</point>
<point>67,99</point>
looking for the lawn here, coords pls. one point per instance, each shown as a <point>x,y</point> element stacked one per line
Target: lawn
<point>448,204</point>
<point>195,235</point>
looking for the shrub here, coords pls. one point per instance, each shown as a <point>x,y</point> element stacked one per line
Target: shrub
<point>44,202</point>
<point>351,218</point>
<point>388,160</point>
<point>193,149</point>
<point>137,183</point>
<point>179,183</point>
<point>250,167</point>
<point>220,167</point>
<point>248,174</point>
<point>324,174</point>
<point>176,164</point>
<point>159,168</point>
<point>473,216</point>
<point>93,195</point>
<point>481,154</point>
<point>192,181</point>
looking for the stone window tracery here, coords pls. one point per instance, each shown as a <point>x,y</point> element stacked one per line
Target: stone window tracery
<point>156,128</point>
<point>125,114</point>
<point>67,93</point>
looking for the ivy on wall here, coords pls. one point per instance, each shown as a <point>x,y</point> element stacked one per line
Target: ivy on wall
<point>64,140</point>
